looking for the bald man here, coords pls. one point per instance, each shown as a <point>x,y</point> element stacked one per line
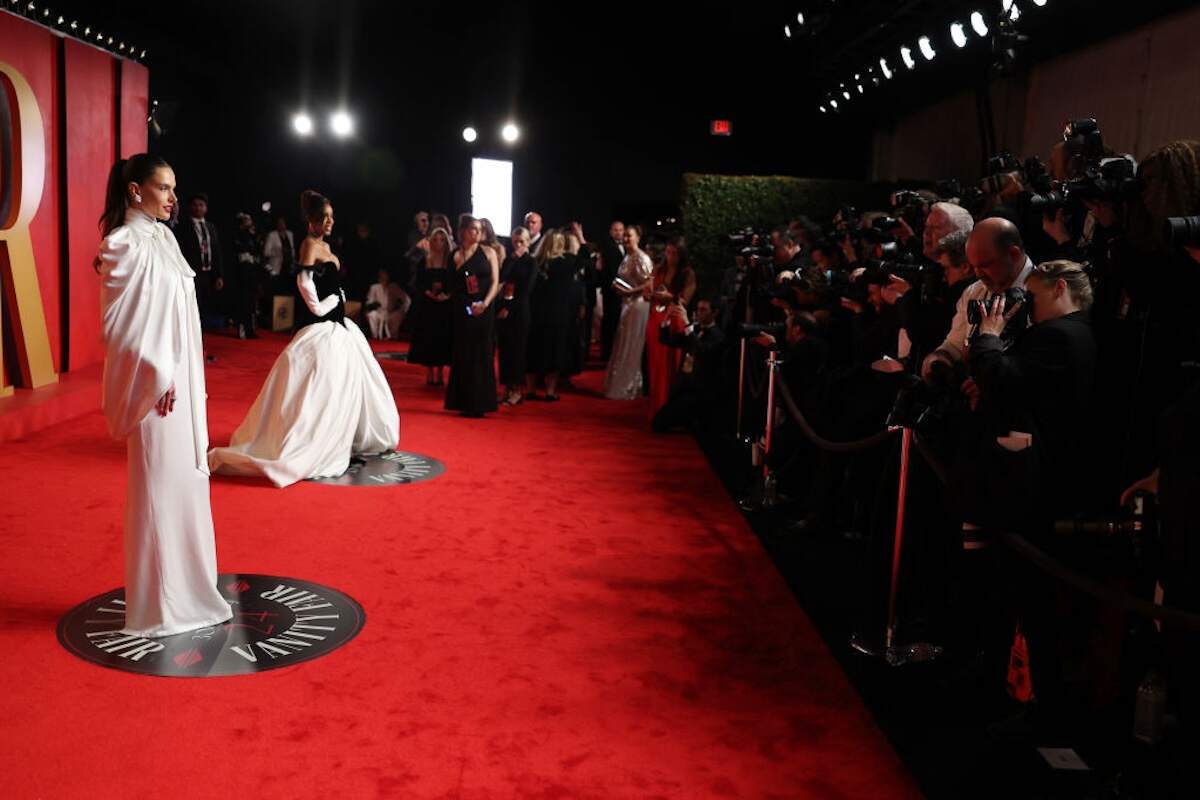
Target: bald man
<point>533,223</point>
<point>997,256</point>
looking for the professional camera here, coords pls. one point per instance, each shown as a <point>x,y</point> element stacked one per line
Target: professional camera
<point>1085,145</point>
<point>999,167</point>
<point>748,330</point>
<point>1182,231</point>
<point>751,243</point>
<point>1111,179</point>
<point>1014,295</point>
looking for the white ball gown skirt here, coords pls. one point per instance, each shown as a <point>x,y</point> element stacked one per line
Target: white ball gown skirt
<point>325,399</point>
<point>623,380</point>
<point>170,551</point>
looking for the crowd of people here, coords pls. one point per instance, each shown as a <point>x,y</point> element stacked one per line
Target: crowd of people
<point>1040,337</point>
<point>511,319</point>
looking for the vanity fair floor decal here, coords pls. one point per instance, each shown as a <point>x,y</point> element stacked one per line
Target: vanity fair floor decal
<point>387,469</point>
<point>277,622</point>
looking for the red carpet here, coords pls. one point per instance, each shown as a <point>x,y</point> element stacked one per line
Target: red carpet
<point>575,609</point>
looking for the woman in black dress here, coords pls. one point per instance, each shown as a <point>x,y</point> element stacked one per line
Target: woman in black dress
<point>476,282</point>
<point>550,318</point>
<point>576,305</point>
<point>512,318</point>
<point>432,325</point>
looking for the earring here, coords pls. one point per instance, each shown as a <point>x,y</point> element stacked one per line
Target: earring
<point>137,198</point>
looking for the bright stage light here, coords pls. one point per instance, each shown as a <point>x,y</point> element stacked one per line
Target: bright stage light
<point>846,94</point>
<point>978,23</point>
<point>906,56</point>
<point>303,124</point>
<point>510,133</point>
<point>491,192</point>
<point>1039,3</point>
<point>1010,10</point>
<point>833,104</point>
<point>860,89</point>
<point>469,134</point>
<point>341,124</point>
<point>883,66</point>
<point>926,48</point>
<point>787,31</point>
<point>958,35</point>
<point>823,111</point>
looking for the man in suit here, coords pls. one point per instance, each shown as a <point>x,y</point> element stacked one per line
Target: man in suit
<point>533,224</point>
<point>612,252</point>
<point>202,250</point>
<point>694,396</point>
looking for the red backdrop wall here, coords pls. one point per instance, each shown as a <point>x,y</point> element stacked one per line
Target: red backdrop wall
<point>99,114</point>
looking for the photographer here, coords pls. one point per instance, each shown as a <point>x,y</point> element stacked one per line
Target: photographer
<point>998,258</point>
<point>696,388</point>
<point>926,315</point>
<point>1042,385</point>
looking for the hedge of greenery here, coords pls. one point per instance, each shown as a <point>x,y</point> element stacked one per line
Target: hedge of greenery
<point>715,205</point>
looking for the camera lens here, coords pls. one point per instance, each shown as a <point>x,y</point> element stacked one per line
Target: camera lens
<point>1182,231</point>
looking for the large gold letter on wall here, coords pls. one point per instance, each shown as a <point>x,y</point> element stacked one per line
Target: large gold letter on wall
<point>22,173</point>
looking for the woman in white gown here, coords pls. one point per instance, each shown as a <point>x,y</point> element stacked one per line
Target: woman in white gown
<point>623,381</point>
<point>154,397</point>
<point>326,397</point>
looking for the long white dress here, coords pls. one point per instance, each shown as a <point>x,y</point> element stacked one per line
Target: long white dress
<point>325,399</point>
<point>623,380</point>
<point>151,330</point>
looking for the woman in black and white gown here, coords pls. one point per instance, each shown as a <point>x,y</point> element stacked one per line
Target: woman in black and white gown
<point>326,397</point>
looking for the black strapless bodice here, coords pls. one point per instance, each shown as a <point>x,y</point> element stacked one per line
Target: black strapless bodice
<point>328,280</point>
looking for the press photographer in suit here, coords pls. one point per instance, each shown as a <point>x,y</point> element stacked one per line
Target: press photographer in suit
<point>696,391</point>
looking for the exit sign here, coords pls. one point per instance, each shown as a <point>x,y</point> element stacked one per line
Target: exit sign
<point>721,127</point>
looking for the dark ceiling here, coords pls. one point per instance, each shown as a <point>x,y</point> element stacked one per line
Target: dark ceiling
<point>614,99</point>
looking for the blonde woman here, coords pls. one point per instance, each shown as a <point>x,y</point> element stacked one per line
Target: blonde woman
<point>550,326</point>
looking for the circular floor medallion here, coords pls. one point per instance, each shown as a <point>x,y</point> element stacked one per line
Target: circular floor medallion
<point>387,469</point>
<point>277,622</point>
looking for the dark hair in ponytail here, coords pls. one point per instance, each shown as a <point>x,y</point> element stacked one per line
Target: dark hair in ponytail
<point>135,169</point>
<point>312,205</point>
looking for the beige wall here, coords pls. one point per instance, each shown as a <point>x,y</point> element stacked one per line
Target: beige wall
<point>1143,87</point>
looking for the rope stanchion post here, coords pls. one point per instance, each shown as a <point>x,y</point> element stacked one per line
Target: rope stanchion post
<point>767,498</point>
<point>741,389</point>
<point>898,655</point>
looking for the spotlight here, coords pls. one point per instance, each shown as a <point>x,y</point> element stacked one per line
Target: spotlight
<point>833,104</point>
<point>978,23</point>
<point>87,31</point>
<point>142,54</point>
<point>122,47</point>
<point>341,124</point>
<point>860,89</point>
<point>303,124</point>
<point>1040,3</point>
<point>74,25</point>
<point>266,207</point>
<point>823,111</point>
<point>926,48</point>
<point>787,31</point>
<point>958,34</point>
<point>510,133</point>
<point>906,55</point>
<point>845,94</point>
<point>1010,10</point>
<point>469,134</point>
<point>883,66</point>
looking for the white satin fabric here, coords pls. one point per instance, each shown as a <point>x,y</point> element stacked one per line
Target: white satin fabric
<point>151,329</point>
<point>623,380</point>
<point>325,399</point>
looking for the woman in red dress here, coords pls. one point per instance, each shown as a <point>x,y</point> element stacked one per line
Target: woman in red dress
<point>674,281</point>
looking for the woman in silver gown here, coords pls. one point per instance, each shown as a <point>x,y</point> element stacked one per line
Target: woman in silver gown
<point>623,381</point>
